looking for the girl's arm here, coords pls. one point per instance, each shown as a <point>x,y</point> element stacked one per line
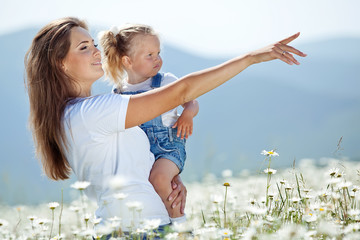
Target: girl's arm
<point>191,108</point>
<point>146,106</point>
<point>184,123</point>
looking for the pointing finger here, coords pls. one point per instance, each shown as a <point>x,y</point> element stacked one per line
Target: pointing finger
<point>289,39</point>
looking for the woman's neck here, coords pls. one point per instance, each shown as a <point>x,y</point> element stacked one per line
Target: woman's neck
<point>83,90</point>
<point>84,94</point>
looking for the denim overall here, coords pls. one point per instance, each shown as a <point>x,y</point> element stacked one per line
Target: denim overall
<point>163,140</point>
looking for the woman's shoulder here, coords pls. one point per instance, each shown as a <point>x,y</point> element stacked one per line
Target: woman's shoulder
<point>97,102</point>
<point>100,113</point>
<point>103,98</point>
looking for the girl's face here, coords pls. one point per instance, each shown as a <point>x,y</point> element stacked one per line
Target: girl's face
<point>83,61</point>
<point>145,62</point>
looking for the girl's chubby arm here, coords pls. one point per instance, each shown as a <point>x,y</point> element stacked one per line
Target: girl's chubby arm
<point>146,106</point>
<point>184,123</point>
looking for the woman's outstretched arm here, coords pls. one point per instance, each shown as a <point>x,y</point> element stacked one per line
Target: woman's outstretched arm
<point>146,106</point>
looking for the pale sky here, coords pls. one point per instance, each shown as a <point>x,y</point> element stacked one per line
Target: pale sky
<point>203,27</point>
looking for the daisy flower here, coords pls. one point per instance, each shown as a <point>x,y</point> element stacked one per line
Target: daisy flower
<point>80,185</point>
<point>269,153</point>
<point>270,171</point>
<point>120,196</point>
<point>53,205</point>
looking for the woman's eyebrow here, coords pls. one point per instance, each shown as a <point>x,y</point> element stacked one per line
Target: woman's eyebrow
<point>86,41</point>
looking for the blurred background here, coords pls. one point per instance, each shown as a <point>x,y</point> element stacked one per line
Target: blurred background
<point>306,111</point>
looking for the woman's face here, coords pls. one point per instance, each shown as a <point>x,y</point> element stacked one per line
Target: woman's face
<point>83,61</point>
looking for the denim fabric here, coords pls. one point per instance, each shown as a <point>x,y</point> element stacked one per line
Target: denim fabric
<point>163,140</point>
<point>164,143</point>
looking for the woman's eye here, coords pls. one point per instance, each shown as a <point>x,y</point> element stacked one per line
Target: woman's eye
<point>83,48</point>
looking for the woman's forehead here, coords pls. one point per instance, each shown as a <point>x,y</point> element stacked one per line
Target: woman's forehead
<point>79,35</point>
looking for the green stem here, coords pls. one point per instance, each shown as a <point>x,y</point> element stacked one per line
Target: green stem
<point>225,225</point>
<point>83,201</point>
<point>203,216</point>
<point>268,183</point>
<point>61,209</point>
<point>298,186</point>
<point>52,223</point>
<point>345,203</point>
<point>282,200</point>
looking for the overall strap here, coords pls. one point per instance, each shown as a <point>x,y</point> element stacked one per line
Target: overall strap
<point>132,92</point>
<point>156,80</point>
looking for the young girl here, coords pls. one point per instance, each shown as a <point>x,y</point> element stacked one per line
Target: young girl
<point>135,69</point>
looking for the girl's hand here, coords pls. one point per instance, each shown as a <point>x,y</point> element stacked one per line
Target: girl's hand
<point>178,194</point>
<point>279,50</point>
<point>185,121</point>
<point>184,125</point>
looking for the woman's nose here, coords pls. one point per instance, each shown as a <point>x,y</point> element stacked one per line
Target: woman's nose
<point>97,51</point>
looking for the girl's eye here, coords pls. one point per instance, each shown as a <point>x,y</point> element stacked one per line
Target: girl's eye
<point>95,45</point>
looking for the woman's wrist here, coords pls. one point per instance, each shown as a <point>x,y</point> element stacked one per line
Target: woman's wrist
<point>251,59</point>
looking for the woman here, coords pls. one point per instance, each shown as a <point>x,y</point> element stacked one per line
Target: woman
<point>97,136</point>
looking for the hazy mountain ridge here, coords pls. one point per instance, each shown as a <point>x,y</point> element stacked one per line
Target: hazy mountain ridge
<point>300,110</point>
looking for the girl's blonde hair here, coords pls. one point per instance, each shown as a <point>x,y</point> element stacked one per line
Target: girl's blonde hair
<point>50,90</point>
<point>117,43</point>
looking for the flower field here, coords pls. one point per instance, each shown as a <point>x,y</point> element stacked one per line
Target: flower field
<point>314,200</point>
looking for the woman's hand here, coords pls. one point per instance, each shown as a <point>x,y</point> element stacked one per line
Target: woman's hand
<point>178,195</point>
<point>279,50</point>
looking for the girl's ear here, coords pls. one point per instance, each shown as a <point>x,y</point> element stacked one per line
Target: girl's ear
<point>126,61</point>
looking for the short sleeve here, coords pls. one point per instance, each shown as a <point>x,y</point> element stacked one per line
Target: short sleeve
<point>168,78</point>
<point>105,114</point>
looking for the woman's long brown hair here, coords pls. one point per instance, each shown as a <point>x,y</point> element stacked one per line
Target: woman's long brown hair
<point>50,89</point>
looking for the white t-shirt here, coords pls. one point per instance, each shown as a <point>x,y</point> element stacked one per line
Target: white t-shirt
<point>100,148</point>
<point>169,118</point>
